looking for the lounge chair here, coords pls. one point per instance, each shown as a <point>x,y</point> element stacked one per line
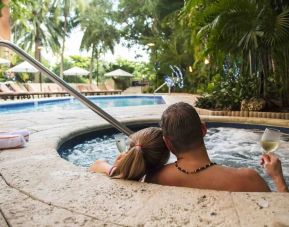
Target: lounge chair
<point>21,91</point>
<point>85,89</point>
<point>97,90</point>
<point>109,90</point>
<point>56,89</point>
<point>6,93</point>
<point>89,89</point>
<point>115,91</point>
<point>35,89</point>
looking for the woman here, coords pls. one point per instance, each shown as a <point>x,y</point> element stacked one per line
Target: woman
<point>147,153</point>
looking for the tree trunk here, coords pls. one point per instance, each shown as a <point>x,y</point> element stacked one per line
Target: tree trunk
<point>250,64</point>
<point>37,77</point>
<point>63,43</point>
<point>285,80</point>
<point>97,65</point>
<point>265,72</point>
<point>91,64</point>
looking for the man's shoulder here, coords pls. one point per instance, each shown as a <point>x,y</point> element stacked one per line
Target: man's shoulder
<point>247,179</point>
<point>239,174</point>
<point>248,174</point>
<point>163,175</point>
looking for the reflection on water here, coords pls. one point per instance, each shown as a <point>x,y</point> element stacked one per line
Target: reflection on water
<point>241,148</point>
<point>72,104</point>
<point>226,146</point>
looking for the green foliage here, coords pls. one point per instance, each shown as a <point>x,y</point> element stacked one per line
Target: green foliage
<point>35,24</point>
<point>140,70</point>
<point>1,6</point>
<point>80,61</point>
<point>75,60</point>
<point>157,22</point>
<point>100,33</point>
<point>24,77</point>
<point>227,91</point>
<point>253,32</point>
<point>252,35</point>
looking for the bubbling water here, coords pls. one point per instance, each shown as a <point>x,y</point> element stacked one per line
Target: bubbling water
<point>226,146</point>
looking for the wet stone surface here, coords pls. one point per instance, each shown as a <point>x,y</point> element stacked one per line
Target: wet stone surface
<point>38,188</point>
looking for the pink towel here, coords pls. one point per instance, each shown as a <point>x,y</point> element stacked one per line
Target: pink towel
<point>11,141</point>
<point>24,133</point>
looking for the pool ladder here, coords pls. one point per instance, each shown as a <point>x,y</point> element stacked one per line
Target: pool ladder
<point>52,76</point>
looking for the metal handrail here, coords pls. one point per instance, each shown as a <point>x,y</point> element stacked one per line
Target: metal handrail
<point>52,76</point>
<point>161,87</point>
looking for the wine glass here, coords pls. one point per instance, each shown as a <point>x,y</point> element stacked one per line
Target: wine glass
<point>270,140</point>
<point>120,141</point>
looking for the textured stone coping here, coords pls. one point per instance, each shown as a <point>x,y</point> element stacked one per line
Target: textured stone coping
<point>255,114</point>
<point>38,188</point>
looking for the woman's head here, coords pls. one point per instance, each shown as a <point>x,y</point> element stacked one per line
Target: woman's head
<point>147,153</point>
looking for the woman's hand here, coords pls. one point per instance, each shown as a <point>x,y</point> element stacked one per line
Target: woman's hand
<point>272,165</point>
<point>100,166</point>
<point>273,168</point>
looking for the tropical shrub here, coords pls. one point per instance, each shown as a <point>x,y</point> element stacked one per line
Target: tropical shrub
<point>228,90</point>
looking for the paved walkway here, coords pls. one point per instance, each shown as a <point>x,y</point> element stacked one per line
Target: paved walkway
<point>38,188</point>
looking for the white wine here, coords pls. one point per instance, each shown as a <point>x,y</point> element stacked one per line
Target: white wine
<point>269,145</point>
<point>120,143</point>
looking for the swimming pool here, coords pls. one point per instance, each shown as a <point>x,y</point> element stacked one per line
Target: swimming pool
<point>72,104</point>
<point>234,145</point>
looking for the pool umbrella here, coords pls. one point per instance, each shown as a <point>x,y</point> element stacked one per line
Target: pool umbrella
<point>23,67</point>
<point>75,71</point>
<point>4,61</point>
<point>118,73</point>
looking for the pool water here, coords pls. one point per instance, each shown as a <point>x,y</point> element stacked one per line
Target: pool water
<point>73,104</point>
<point>229,146</point>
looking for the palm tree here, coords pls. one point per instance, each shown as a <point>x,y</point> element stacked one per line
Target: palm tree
<point>100,33</point>
<point>257,31</point>
<point>68,12</point>
<point>36,27</point>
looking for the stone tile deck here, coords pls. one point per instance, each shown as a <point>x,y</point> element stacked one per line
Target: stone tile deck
<point>38,188</point>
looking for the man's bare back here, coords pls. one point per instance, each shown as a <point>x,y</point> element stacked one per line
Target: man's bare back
<point>215,178</point>
<point>183,134</point>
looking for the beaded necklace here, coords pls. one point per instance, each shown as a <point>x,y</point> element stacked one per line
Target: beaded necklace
<point>196,170</point>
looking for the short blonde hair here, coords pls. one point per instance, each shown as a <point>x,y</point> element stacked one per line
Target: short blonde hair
<point>147,154</point>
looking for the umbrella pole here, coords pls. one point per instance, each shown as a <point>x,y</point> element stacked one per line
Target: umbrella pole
<point>40,81</point>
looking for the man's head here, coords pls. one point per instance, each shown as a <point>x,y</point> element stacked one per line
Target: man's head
<point>182,128</point>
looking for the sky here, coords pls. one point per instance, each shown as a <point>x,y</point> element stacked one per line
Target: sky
<point>73,48</point>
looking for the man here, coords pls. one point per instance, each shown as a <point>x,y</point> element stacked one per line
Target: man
<point>183,134</point>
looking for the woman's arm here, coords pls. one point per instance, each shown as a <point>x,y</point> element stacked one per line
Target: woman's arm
<point>100,166</point>
<point>273,168</point>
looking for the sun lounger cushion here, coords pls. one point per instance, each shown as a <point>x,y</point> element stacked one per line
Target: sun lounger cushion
<point>18,88</point>
<point>24,133</point>
<point>11,141</point>
<point>4,88</point>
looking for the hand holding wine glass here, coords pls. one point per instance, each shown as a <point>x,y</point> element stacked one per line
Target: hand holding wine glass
<point>270,140</point>
<point>273,168</point>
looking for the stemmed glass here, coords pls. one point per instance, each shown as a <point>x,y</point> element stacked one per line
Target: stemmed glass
<point>270,140</point>
<point>122,142</point>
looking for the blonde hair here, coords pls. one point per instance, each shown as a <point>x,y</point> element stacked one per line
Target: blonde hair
<point>147,154</point>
